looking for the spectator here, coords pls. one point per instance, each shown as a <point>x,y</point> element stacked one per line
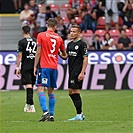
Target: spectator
<point>124,41</point>
<point>41,20</point>
<point>96,44</point>
<point>100,11</point>
<point>68,39</point>
<point>93,2</point>
<point>33,7</point>
<point>108,42</point>
<point>73,8</point>
<point>72,22</point>
<point>50,13</point>
<point>111,12</point>
<point>17,5</point>
<point>61,28</point>
<point>90,19</point>
<point>128,13</point>
<point>86,41</point>
<point>27,17</point>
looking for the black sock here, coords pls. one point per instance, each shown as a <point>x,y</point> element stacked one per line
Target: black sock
<point>29,96</point>
<point>77,102</point>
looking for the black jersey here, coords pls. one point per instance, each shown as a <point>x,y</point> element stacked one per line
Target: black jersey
<point>76,52</point>
<point>28,48</point>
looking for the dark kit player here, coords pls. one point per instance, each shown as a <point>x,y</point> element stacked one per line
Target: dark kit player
<point>26,55</point>
<point>77,55</point>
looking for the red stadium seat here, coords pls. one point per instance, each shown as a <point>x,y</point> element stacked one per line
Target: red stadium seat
<point>88,35</point>
<point>129,33</point>
<point>115,34</point>
<point>66,21</point>
<point>120,22</point>
<point>100,33</point>
<point>55,8</point>
<point>101,23</point>
<point>78,20</point>
<point>63,10</point>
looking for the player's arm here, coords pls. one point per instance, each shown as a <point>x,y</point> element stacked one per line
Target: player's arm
<point>85,62</point>
<point>37,58</point>
<point>19,58</point>
<point>62,51</point>
<point>63,55</point>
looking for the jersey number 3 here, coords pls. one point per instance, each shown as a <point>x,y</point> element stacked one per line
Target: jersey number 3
<point>53,45</point>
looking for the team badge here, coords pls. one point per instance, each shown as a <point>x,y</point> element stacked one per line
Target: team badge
<point>44,80</point>
<point>76,47</point>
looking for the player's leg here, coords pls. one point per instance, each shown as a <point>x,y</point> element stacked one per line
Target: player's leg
<point>29,90</point>
<point>74,94</point>
<point>30,79</point>
<point>52,100</point>
<point>42,81</point>
<point>77,101</point>
<point>26,80</point>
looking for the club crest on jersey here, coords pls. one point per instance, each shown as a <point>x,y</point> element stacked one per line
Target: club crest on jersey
<point>76,47</point>
<point>44,80</point>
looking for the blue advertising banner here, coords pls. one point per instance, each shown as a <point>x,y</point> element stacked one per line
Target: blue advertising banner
<point>95,57</point>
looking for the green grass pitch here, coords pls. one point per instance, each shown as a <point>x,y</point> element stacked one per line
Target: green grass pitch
<point>107,111</point>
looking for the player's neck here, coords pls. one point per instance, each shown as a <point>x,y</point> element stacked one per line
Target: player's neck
<point>76,40</point>
<point>27,36</point>
<point>49,28</point>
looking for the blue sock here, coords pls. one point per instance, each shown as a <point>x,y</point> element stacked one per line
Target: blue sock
<point>42,100</point>
<point>52,101</point>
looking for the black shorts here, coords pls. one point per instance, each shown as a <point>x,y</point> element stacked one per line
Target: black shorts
<point>28,77</point>
<point>73,82</point>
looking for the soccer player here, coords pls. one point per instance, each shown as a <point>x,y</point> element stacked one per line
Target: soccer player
<point>77,60</point>
<point>26,55</point>
<point>49,43</point>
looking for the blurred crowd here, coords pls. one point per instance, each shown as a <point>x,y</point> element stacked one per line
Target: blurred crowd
<point>111,15</point>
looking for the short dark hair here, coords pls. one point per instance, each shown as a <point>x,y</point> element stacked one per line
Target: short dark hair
<point>52,22</point>
<point>48,8</point>
<point>123,30</point>
<point>76,26</point>
<point>26,29</point>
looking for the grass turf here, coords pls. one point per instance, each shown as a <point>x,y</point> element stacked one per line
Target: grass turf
<point>106,112</point>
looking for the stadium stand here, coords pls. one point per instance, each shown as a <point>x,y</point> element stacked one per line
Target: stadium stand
<point>10,31</point>
<point>101,22</point>
<point>66,21</point>
<point>63,10</point>
<point>88,35</point>
<point>119,23</point>
<point>101,33</point>
<point>115,34</point>
<point>78,20</point>
<point>55,8</point>
<point>129,33</point>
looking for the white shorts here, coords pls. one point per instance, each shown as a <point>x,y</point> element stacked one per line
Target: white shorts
<point>114,17</point>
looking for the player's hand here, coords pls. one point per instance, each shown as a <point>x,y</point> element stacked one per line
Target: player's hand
<point>18,73</point>
<point>35,71</point>
<point>81,76</point>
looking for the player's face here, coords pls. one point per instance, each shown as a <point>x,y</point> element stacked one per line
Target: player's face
<point>74,33</point>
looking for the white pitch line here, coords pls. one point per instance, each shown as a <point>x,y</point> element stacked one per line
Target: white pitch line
<point>82,121</point>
